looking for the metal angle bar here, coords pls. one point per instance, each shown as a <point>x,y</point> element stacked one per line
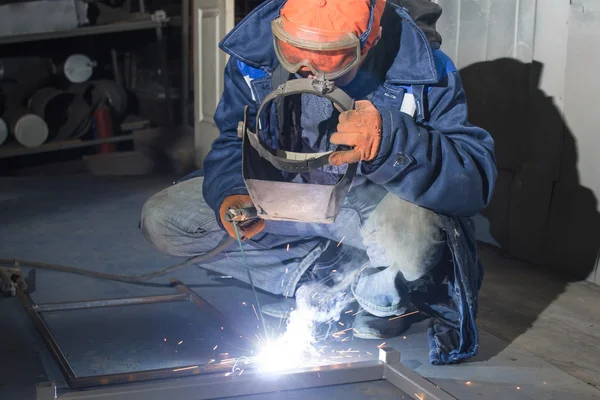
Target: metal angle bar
<point>203,304</point>
<point>221,386</point>
<point>100,381</point>
<point>61,360</point>
<point>414,384</point>
<point>128,301</point>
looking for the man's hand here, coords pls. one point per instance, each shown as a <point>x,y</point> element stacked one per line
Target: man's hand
<point>240,201</point>
<point>361,129</point>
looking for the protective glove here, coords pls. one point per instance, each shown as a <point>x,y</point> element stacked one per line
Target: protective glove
<point>361,129</point>
<point>240,201</point>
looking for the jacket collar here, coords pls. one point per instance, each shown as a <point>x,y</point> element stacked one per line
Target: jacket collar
<point>251,40</point>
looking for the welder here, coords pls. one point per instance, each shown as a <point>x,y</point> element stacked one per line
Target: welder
<point>421,170</point>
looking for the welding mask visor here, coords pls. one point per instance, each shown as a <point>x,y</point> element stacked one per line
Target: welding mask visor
<point>327,54</point>
<point>271,174</point>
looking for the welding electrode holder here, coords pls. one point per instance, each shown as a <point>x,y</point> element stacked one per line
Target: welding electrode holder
<point>241,216</point>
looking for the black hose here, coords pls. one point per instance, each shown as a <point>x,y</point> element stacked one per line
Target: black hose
<point>121,278</point>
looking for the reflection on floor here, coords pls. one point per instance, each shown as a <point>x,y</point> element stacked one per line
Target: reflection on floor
<point>93,223</point>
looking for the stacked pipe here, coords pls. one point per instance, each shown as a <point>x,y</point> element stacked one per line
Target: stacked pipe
<point>28,129</point>
<point>34,112</point>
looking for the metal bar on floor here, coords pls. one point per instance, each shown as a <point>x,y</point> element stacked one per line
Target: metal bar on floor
<point>203,304</point>
<point>128,301</point>
<point>99,381</point>
<point>38,321</point>
<point>221,386</point>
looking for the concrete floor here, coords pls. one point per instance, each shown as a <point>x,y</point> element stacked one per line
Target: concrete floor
<point>537,332</point>
<point>555,320</point>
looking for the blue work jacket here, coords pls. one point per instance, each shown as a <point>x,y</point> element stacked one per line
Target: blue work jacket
<point>434,158</point>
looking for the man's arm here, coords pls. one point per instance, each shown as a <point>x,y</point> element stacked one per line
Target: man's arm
<point>223,164</point>
<point>448,166</point>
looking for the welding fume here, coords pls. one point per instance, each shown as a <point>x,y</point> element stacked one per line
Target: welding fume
<point>348,172</point>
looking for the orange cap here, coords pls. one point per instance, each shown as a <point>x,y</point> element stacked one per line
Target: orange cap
<point>347,16</point>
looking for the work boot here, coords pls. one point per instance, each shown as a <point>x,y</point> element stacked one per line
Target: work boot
<point>367,326</point>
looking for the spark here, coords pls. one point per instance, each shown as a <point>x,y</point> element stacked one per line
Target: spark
<point>341,323</point>
<point>165,339</point>
<point>282,283</point>
<point>468,383</point>
<point>318,374</point>
<point>358,312</point>
<point>212,360</point>
<point>404,337</point>
<point>181,341</point>
<point>334,270</point>
<point>288,247</point>
<point>214,348</point>
<point>244,304</point>
<point>518,388</point>
<point>221,328</point>
<point>419,397</point>
<point>185,368</point>
<point>369,353</point>
<point>545,383</point>
<point>349,312</point>
<point>345,339</point>
<point>258,338</point>
<point>241,372</point>
<point>223,354</point>
<point>286,270</point>
<point>402,316</point>
<point>313,296</point>
<point>339,333</point>
<point>227,373</point>
<point>340,242</point>
<point>255,313</point>
<point>381,345</point>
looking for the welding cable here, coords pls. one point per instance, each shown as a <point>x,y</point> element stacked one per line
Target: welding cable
<point>122,278</point>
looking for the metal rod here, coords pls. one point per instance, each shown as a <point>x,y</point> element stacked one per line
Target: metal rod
<point>221,386</point>
<point>260,314</point>
<point>116,69</point>
<point>203,304</point>
<point>59,357</point>
<point>6,152</point>
<point>410,382</point>
<point>129,301</point>
<point>185,59</point>
<point>164,70</point>
<point>97,381</point>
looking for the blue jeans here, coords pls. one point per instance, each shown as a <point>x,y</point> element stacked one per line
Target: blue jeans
<point>389,240</point>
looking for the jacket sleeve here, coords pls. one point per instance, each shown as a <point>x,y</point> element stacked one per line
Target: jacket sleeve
<point>446,165</point>
<point>223,164</point>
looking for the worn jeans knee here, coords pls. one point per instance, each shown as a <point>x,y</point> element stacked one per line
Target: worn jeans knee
<point>174,220</point>
<point>404,242</point>
<point>405,237</point>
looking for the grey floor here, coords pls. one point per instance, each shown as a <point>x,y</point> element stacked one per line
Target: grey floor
<point>538,336</point>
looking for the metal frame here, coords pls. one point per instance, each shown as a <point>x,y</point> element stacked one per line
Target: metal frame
<point>220,386</point>
<point>79,382</point>
<point>209,381</point>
